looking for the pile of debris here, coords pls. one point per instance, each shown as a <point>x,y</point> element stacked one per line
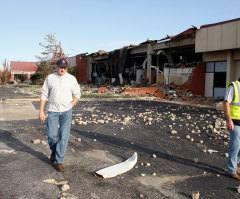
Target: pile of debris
<point>169,92</point>
<point>109,89</point>
<point>178,93</point>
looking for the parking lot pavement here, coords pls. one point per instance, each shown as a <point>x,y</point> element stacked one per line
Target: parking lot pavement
<point>171,140</point>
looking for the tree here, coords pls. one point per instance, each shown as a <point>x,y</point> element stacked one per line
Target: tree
<point>52,49</point>
<point>4,74</point>
<point>52,52</point>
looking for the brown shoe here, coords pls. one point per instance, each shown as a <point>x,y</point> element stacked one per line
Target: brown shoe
<point>235,176</point>
<point>60,167</point>
<point>53,157</point>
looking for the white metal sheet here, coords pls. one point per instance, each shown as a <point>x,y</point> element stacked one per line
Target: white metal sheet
<point>118,169</point>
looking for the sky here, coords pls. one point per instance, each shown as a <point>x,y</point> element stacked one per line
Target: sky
<point>91,25</point>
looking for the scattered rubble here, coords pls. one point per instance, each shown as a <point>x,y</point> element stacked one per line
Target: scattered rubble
<point>65,187</point>
<point>36,141</point>
<point>184,124</point>
<point>212,151</point>
<point>43,142</point>
<point>238,189</point>
<point>173,132</point>
<point>8,151</point>
<point>168,92</point>
<point>52,181</point>
<point>195,160</point>
<point>195,195</point>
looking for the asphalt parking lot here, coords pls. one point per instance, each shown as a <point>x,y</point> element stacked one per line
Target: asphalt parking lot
<point>179,135</point>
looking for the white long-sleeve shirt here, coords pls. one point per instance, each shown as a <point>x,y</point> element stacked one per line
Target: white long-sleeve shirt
<point>59,90</point>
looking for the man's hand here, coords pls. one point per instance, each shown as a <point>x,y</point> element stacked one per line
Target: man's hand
<point>230,125</point>
<point>74,102</point>
<point>42,116</point>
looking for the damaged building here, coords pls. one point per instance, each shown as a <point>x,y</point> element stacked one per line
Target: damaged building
<point>165,61</point>
<point>203,60</point>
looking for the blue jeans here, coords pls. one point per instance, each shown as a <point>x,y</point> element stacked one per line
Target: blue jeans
<point>234,152</point>
<point>64,119</point>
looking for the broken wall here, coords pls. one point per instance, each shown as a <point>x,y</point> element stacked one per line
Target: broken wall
<point>197,82</point>
<point>192,78</point>
<point>177,76</point>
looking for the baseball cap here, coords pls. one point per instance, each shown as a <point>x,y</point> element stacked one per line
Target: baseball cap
<point>62,63</point>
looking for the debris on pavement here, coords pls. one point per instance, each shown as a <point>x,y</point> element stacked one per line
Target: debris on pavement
<point>154,174</point>
<point>52,181</point>
<point>195,160</point>
<point>43,142</point>
<point>238,189</point>
<point>36,141</point>
<point>195,195</point>
<point>212,151</point>
<point>65,187</point>
<point>118,169</point>
<point>8,151</point>
<point>161,119</point>
<point>170,92</point>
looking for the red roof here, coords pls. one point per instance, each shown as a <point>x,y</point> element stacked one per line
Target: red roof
<point>185,33</point>
<point>17,66</point>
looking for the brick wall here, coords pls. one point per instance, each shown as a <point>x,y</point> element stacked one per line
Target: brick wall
<point>197,83</point>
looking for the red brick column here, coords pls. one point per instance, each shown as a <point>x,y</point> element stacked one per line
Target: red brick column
<point>28,76</point>
<point>12,77</point>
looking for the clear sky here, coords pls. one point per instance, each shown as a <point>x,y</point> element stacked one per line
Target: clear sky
<point>92,25</point>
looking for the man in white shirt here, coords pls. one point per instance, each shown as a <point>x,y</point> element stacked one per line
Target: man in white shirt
<point>59,88</point>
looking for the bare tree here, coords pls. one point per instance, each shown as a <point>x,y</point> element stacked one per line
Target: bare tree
<point>52,49</point>
<point>4,74</point>
<point>51,53</point>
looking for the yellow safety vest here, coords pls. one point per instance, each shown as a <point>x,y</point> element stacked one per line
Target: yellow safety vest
<point>235,105</point>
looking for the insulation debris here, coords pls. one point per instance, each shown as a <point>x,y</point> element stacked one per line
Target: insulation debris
<point>118,169</point>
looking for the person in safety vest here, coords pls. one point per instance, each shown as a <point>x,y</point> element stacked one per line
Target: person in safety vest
<point>231,106</point>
